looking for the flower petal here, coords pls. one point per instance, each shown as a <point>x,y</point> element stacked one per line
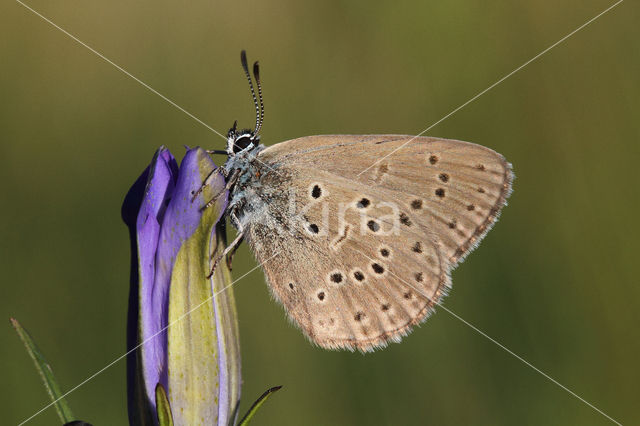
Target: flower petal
<point>228,336</point>
<point>158,193</point>
<point>142,210</point>
<point>204,370</point>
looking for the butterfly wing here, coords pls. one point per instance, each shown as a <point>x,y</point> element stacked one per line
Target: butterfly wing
<point>451,181</point>
<point>359,254</point>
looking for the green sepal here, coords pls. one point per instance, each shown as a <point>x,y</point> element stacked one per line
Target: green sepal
<point>44,369</point>
<point>165,418</point>
<point>256,405</point>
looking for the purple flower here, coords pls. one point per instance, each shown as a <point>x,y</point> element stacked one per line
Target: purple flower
<point>184,323</point>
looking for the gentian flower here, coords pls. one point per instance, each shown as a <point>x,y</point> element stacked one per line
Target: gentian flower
<point>183,358</point>
<point>183,322</point>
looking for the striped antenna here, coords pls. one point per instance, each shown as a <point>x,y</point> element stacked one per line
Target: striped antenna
<point>256,74</point>
<point>243,59</point>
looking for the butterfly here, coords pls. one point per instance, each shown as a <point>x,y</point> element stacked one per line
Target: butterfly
<point>358,234</point>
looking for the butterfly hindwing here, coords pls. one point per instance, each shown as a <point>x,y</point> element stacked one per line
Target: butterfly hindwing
<point>336,277</point>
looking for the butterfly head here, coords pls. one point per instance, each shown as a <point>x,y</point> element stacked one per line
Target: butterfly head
<point>241,140</point>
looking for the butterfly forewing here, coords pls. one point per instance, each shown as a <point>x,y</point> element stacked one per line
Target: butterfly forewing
<point>457,188</point>
<point>363,253</point>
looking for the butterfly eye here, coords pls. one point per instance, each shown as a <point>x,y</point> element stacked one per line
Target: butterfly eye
<point>241,143</point>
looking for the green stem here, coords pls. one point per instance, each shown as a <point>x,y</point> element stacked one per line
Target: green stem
<point>256,405</point>
<point>50,383</point>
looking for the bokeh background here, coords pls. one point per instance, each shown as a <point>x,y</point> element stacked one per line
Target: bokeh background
<point>556,281</point>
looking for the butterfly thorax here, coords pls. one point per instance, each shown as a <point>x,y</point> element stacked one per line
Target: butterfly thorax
<point>259,195</point>
<point>242,161</point>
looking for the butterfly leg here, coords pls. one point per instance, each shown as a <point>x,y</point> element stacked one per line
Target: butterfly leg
<point>233,253</point>
<point>238,225</point>
<point>204,184</point>
<point>232,181</point>
<point>230,248</point>
<point>217,151</point>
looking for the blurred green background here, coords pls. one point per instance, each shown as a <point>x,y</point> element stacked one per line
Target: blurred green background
<point>556,281</point>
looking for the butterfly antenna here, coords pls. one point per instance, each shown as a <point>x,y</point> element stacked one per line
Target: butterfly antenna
<point>245,67</point>
<point>256,74</point>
